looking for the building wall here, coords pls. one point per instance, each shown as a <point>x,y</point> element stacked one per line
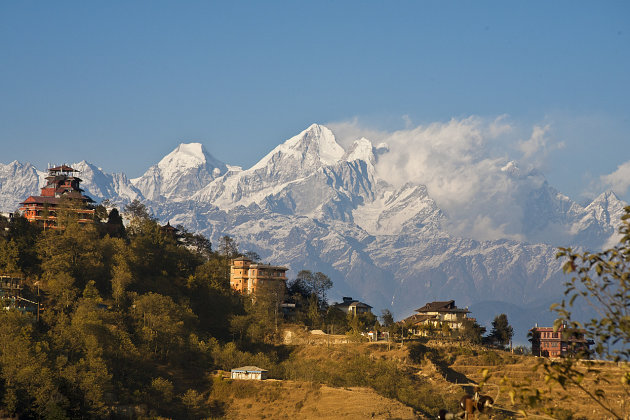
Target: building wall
<point>250,376</point>
<point>245,276</point>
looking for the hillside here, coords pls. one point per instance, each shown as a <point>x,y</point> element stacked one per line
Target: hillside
<point>276,399</point>
<point>311,203</point>
<point>442,372</point>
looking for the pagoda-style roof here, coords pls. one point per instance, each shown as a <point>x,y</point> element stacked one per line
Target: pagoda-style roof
<point>62,168</point>
<point>38,199</point>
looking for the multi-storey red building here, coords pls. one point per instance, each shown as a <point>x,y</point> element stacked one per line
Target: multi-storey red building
<point>61,184</point>
<point>559,343</point>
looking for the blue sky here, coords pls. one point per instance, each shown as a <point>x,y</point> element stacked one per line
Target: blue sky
<point>120,84</point>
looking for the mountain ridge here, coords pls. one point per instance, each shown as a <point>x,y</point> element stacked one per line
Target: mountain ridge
<point>310,204</point>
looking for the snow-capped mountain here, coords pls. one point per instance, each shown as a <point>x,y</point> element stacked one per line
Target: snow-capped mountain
<point>17,182</point>
<point>103,186</point>
<point>179,174</point>
<point>311,204</point>
<point>300,162</point>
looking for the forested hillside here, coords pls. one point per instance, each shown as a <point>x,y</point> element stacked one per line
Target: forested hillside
<point>132,321</point>
<point>127,317</point>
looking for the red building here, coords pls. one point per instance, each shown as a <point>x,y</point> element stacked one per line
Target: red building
<point>62,184</point>
<point>549,343</point>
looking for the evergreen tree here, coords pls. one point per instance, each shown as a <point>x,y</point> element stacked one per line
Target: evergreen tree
<point>502,331</point>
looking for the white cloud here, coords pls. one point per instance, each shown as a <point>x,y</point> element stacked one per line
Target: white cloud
<point>619,180</point>
<point>536,149</point>
<point>467,167</point>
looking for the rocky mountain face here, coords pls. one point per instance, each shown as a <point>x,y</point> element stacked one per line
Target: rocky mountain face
<point>310,204</point>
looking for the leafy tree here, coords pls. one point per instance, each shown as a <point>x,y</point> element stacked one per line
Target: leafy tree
<point>228,247</point>
<point>161,323</point>
<point>361,322</point>
<point>137,210</point>
<point>252,255</point>
<point>313,312</point>
<point>446,329</point>
<point>336,319</point>
<point>502,331</point>
<point>471,331</point>
<point>100,213</point>
<point>316,283</point>
<point>25,235</point>
<point>601,280</point>
<point>387,318</point>
<point>195,242</point>
<point>9,257</point>
<point>28,385</point>
<point>299,288</point>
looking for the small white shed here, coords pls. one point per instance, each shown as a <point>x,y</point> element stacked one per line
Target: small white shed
<point>249,372</point>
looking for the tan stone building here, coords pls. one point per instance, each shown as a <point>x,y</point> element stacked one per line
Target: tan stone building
<point>246,276</point>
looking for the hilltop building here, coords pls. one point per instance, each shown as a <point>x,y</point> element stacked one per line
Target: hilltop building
<point>352,306</point>
<point>436,314</point>
<point>62,183</point>
<point>559,343</point>
<point>246,276</point>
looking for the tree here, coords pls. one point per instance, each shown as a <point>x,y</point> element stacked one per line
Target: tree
<point>387,317</point>
<point>502,331</point>
<point>471,331</point>
<point>100,213</point>
<point>137,210</point>
<point>268,300</point>
<point>114,225</point>
<point>602,281</point>
<point>321,284</point>
<point>9,257</point>
<point>317,283</point>
<point>252,255</point>
<point>161,323</point>
<point>228,247</point>
<point>195,242</point>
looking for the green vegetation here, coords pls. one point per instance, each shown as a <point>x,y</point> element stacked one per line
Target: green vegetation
<point>133,322</point>
<point>130,319</point>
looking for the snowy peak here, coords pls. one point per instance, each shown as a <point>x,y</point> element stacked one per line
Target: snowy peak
<point>186,156</point>
<point>17,182</point>
<point>361,149</point>
<point>607,208</point>
<point>315,146</point>
<point>100,185</point>
<point>302,175</point>
<point>180,174</point>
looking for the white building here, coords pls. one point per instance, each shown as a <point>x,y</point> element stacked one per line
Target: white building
<point>249,373</point>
